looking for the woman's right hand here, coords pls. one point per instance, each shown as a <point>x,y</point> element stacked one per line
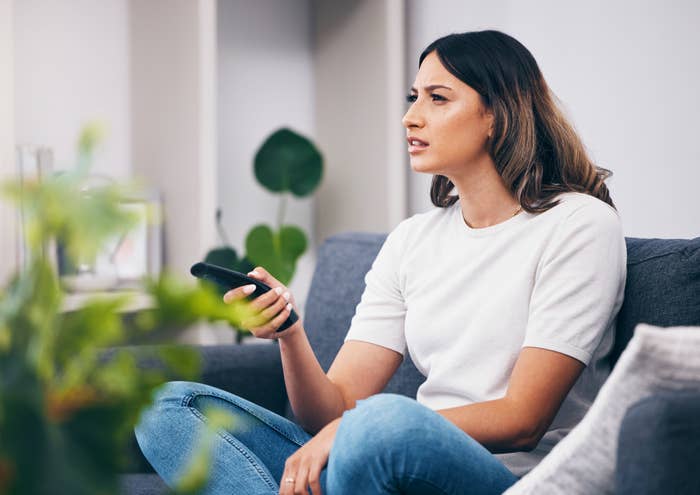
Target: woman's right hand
<point>269,311</point>
<point>302,469</point>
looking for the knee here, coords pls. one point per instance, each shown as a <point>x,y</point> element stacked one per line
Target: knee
<point>382,423</point>
<point>372,437</point>
<point>167,396</point>
<point>389,414</point>
<point>174,391</point>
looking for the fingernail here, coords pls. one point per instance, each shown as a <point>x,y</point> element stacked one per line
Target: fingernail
<point>286,296</point>
<point>253,273</point>
<point>289,307</point>
<point>249,289</point>
<point>227,297</point>
<point>278,290</point>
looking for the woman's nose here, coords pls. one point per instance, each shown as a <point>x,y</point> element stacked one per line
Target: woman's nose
<point>411,118</point>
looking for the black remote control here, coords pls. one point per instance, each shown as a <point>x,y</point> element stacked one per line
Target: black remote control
<point>230,279</point>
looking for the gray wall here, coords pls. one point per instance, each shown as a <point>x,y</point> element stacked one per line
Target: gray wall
<point>8,252</point>
<point>359,71</point>
<point>72,66</point>
<point>627,73</point>
<point>265,81</point>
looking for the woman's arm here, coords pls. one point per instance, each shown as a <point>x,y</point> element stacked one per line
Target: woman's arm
<point>538,385</point>
<point>360,369</point>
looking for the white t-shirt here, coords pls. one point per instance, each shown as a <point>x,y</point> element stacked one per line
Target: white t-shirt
<point>464,301</point>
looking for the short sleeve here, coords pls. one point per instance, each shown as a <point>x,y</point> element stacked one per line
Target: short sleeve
<point>580,283</point>
<point>380,315</point>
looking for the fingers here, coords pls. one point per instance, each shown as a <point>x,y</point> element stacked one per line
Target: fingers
<point>270,328</point>
<point>277,306</point>
<point>268,312</point>
<point>259,273</point>
<point>300,472</point>
<point>239,293</point>
<point>289,477</point>
<point>314,479</point>
<point>300,482</point>
<point>267,305</point>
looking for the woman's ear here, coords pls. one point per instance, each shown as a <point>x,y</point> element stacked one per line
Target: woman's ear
<point>490,119</point>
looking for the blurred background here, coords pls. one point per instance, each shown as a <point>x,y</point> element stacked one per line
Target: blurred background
<point>189,89</point>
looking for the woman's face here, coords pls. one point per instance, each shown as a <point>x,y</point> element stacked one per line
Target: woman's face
<point>449,118</point>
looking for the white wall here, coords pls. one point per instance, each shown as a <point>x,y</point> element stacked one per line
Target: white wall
<point>627,73</point>
<point>359,105</point>
<point>72,66</point>
<point>173,87</point>
<point>265,81</point>
<point>7,141</point>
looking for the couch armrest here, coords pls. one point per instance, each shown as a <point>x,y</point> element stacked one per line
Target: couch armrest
<point>659,446</point>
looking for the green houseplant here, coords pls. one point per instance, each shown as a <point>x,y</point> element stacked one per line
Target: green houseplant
<point>69,394</point>
<point>286,163</point>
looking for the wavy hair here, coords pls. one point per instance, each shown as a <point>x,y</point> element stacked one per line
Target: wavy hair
<point>536,151</point>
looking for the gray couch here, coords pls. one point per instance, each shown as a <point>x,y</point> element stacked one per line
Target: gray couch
<point>659,444</point>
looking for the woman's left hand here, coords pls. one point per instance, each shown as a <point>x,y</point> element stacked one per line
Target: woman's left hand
<point>303,468</point>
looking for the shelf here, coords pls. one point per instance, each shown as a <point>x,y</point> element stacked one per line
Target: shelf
<point>139,300</point>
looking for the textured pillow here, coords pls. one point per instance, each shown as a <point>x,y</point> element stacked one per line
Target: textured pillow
<point>657,360</point>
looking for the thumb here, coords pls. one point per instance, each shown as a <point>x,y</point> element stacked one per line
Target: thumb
<point>259,273</point>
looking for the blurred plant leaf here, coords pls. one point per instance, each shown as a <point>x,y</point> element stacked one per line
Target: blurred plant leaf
<point>58,208</point>
<point>70,395</point>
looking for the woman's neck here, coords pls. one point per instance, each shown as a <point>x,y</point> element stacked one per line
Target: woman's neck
<point>484,198</point>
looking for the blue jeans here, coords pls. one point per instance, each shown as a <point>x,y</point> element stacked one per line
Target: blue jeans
<point>387,444</point>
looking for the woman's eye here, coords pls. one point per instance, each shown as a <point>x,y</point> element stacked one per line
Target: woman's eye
<point>435,97</point>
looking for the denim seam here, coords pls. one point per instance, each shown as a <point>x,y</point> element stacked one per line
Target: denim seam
<point>190,397</point>
<point>230,441</point>
<point>416,478</point>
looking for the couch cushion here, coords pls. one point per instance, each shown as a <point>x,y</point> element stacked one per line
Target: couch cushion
<point>336,289</point>
<point>663,286</point>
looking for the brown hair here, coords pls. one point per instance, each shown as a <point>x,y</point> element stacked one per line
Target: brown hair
<point>536,151</point>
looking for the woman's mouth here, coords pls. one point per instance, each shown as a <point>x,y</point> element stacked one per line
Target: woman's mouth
<point>416,145</point>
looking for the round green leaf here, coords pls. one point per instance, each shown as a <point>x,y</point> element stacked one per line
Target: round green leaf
<point>276,252</point>
<point>245,265</point>
<point>287,161</point>
<point>259,244</point>
<point>261,249</point>
<point>292,242</point>
<point>223,256</point>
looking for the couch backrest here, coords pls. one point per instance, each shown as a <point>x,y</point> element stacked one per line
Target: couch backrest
<point>663,288</point>
<point>336,288</point>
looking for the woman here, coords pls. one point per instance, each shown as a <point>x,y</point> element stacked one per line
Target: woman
<point>505,296</point>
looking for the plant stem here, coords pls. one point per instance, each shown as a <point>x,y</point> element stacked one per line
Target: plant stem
<point>220,228</point>
<point>281,210</point>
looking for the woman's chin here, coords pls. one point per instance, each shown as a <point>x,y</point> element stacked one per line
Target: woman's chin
<point>422,168</point>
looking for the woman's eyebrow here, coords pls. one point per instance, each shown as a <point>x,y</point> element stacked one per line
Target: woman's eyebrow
<point>432,87</point>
